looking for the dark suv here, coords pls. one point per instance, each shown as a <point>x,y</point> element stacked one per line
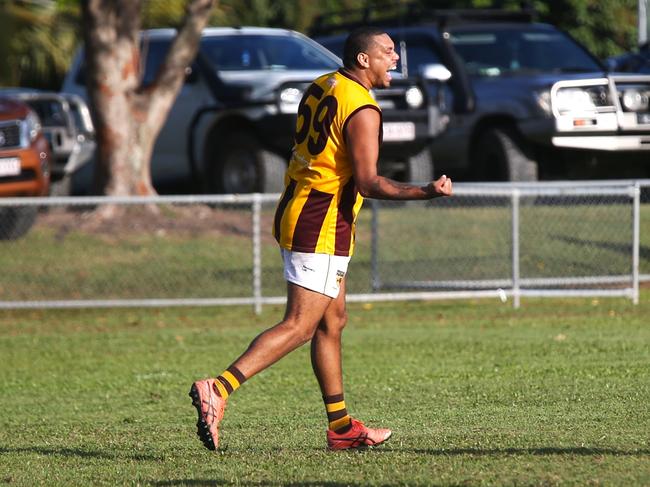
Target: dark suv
<point>231,128</point>
<point>632,62</point>
<point>525,100</point>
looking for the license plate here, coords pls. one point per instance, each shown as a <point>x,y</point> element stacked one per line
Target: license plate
<point>643,118</point>
<point>9,166</point>
<point>398,131</point>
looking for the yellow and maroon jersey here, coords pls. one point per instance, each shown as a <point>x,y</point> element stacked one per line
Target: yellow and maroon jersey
<point>320,203</point>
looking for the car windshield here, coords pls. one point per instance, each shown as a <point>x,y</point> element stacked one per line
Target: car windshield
<point>263,52</point>
<point>50,112</point>
<point>515,51</point>
<point>419,50</point>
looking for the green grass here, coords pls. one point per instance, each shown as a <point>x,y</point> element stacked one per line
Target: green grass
<point>555,393</point>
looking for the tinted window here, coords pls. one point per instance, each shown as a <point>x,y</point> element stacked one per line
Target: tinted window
<point>419,51</point>
<point>253,52</point>
<point>334,44</point>
<point>51,113</point>
<point>493,52</point>
<point>153,51</point>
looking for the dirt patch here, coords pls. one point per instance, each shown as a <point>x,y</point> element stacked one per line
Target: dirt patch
<point>185,220</point>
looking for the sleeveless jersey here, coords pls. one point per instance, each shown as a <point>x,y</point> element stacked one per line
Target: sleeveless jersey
<point>319,206</point>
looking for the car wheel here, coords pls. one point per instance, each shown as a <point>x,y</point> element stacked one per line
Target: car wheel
<point>419,168</point>
<point>244,167</point>
<point>501,156</point>
<point>273,168</point>
<point>16,222</point>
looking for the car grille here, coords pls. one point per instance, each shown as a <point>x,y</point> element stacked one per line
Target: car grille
<point>394,97</point>
<point>634,99</point>
<point>10,134</point>
<point>25,175</point>
<point>634,96</point>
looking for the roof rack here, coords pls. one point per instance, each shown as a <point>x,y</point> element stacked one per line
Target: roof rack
<point>413,14</point>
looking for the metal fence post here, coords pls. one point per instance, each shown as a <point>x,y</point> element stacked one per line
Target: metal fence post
<point>374,246</point>
<point>636,238</point>
<point>516,298</point>
<point>257,253</point>
<point>643,21</point>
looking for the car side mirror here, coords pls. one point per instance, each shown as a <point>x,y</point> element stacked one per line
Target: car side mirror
<point>435,72</point>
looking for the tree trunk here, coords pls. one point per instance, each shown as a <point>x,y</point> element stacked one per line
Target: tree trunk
<point>128,117</point>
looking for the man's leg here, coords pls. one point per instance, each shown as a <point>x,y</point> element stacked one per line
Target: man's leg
<point>304,311</point>
<point>343,432</point>
<point>326,346</point>
<point>326,362</point>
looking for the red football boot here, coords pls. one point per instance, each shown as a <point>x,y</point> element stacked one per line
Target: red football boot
<point>359,436</point>
<point>210,407</point>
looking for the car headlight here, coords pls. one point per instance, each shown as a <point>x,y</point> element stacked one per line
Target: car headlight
<point>634,100</point>
<point>543,99</point>
<point>574,100</point>
<point>414,97</point>
<point>290,95</point>
<point>289,99</point>
<point>31,127</point>
<point>587,98</point>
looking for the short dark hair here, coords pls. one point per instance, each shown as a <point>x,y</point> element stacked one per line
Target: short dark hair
<point>359,40</point>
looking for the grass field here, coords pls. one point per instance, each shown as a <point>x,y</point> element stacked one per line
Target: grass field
<point>555,393</point>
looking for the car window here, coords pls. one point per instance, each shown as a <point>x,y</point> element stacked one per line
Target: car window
<point>153,51</point>
<point>260,52</point>
<point>511,51</point>
<point>419,52</point>
<point>334,44</point>
<point>50,112</point>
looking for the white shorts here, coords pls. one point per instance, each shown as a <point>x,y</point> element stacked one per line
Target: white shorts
<point>322,273</point>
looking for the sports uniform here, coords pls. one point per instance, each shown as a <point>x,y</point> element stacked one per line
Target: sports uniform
<point>319,206</point>
<point>315,218</point>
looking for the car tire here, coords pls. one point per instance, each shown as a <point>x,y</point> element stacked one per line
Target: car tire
<point>419,168</point>
<point>243,166</point>
<point>273,169</point>
<point>16,222</point>
<point>500,156</point>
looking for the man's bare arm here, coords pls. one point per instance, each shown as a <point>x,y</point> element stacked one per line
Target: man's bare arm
<point>362,136</point>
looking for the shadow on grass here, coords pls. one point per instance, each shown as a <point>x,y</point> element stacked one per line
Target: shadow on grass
<point>80,453</point>
<point>619,248</point>
<point>206,483</point>
<point>495,452</point>
<point>542,451</point>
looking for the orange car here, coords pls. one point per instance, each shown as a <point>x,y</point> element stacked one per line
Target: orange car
<point>24,165</point>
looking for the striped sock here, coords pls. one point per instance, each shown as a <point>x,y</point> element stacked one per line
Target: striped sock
<point>229,381</point>
<point>337,414</point>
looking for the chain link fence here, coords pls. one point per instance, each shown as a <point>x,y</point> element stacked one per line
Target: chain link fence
<point>496,240</point>
<point>559,239</point>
